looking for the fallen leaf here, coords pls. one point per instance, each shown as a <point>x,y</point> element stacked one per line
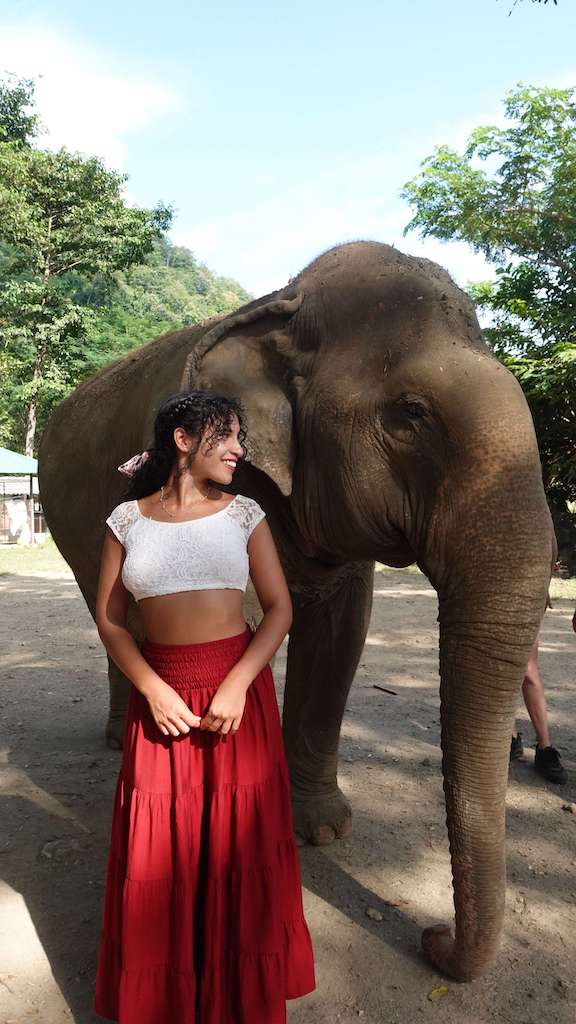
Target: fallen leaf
<point>438,993</point>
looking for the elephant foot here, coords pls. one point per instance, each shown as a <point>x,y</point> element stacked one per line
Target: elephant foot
<point>320,820</point>
<point>440,950</point>
<point>115,734</point>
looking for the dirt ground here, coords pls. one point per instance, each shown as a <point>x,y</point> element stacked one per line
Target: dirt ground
<point>367,898</point>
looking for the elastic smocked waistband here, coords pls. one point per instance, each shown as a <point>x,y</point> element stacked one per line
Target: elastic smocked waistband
<point>196,666</point>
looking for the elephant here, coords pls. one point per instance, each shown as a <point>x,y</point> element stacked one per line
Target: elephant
<point>382,428</point>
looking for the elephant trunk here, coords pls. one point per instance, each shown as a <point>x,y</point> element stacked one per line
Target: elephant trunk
<point>478,704</point>
<point>490,609</point>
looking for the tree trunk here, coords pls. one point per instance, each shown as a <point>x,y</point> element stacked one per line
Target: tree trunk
<point>32,411</point>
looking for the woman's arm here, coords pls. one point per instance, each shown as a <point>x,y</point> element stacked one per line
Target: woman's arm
<point>170,713</point>
<point>267,575</point>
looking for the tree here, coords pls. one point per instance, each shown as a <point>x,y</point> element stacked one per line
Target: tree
<point>511,195</point>
<point>555,2</point>
<point>83,278</point>
<point>61,213</point>
<point>18,123</point>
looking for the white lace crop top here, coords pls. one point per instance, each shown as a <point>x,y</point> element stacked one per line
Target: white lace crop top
<point>201,554</point>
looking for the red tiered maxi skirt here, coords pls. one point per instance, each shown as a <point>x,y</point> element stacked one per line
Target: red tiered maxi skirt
<point>203,919</point>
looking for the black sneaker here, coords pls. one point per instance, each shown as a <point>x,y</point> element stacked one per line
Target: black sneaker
<point>516,748</point>
<point>548,764</point>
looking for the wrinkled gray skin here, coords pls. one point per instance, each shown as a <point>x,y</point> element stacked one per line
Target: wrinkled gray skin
<point>382,429</point>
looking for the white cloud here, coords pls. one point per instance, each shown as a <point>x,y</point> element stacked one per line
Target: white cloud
<point>265,244</point>
<point>85,102</point>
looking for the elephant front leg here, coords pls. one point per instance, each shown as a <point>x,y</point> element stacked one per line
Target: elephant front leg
<point>325,645</point>
<point>120,688</point>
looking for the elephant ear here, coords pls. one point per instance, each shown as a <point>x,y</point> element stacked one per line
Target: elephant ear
<point>248,356</point>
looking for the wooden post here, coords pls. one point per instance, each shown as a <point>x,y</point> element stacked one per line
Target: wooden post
<point>31,511</point>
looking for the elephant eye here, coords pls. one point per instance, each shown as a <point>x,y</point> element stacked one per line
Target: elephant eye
<point>407,418</point>
<point>414,408</point>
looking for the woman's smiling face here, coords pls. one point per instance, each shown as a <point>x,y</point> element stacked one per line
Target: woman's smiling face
<point>217,460</point>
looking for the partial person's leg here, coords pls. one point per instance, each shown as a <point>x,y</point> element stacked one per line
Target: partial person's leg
<point>516,748</point>
<point>535,699</point>
<point>547,760</point>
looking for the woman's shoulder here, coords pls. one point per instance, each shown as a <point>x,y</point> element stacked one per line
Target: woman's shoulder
<point>245,502</point>
<point>247,512</point>
<point>122,517</point>
<point>125,508</point>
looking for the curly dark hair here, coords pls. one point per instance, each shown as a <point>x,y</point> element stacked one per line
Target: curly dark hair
<point>195,411</point>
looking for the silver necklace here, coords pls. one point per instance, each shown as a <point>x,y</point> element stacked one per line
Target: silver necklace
<point>171,514</point>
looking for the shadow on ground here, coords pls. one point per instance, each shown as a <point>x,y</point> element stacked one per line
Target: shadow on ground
<point>57,780</point>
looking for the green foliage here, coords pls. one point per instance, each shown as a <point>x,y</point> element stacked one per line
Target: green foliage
<point>62,211</point>
<point>549,383</point>
<point>523,205</point>
<point>555,2</point>
<point>511,195</point>
<point>169,291</point>
<point>17,123</point>
<point>172,286</point>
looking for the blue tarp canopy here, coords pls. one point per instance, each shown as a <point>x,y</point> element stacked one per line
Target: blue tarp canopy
<point>14,463</point>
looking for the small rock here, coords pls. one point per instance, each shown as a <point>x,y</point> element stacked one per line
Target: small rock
<point>374,914</point>
<point>569,808</point>
<point>60,849</point>
<point>425,763</point>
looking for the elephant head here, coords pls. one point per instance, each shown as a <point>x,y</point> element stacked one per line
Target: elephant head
<point>392,433</point>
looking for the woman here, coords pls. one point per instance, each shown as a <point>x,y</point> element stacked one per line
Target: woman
<point>203,919</point>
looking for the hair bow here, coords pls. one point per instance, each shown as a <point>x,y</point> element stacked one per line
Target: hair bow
<point>133,465</point>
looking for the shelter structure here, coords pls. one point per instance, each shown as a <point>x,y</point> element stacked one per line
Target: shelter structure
<point>21,518</point>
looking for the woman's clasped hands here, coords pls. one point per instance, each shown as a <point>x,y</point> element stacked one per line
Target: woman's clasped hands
<point>171,714</point>
<point>226,709</point>
<point>173,717</point>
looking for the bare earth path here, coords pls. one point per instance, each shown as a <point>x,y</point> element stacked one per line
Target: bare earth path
<point>56,786</point>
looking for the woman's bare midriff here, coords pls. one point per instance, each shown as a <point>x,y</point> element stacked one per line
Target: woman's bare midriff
<point>193,617</point>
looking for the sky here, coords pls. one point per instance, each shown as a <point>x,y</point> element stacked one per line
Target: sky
<point>277,130</point>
